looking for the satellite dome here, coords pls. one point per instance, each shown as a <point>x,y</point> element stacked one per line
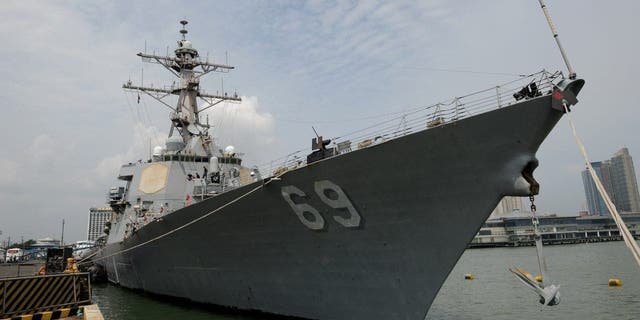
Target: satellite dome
<point>187,44</point>
<point>175,143</point>
<point>229,151</point>
<point>157,151</point>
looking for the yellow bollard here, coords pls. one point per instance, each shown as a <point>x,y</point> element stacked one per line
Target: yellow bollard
<point>469,276</point>
<point>539,279</point>
<point>613,282</point>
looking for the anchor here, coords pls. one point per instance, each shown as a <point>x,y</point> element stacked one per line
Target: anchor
<point>549,293</point>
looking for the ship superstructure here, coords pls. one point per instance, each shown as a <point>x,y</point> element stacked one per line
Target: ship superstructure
<point>367,227</point>
<point>191,166</point>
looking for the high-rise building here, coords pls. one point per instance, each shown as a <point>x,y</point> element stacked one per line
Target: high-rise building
<point>625,185</point>
<point>506,206</point>
<point>97,219</point>
<point>618,178</point>
<point>595,202</point>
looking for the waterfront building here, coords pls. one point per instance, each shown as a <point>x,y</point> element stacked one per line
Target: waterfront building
<point>517,229</point>
<point>46,243</point>
<point>38,250</point>
<point>98,217</point>
<point>618,178</point>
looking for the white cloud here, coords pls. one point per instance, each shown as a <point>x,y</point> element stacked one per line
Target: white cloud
<point>140,145</point>
<point>246,127</point>
<point>242,125</point>
<point>64,62</point>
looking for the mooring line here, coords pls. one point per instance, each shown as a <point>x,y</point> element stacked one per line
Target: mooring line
<point>184,225</point>
<point>624,231</point>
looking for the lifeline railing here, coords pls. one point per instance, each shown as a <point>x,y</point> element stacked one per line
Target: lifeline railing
<point>424,118</point>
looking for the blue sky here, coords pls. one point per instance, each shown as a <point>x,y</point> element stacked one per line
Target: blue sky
<point>68,124</point>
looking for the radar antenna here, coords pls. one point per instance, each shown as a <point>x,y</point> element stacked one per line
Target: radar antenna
<point>186,65</point>
<point>184,30</point>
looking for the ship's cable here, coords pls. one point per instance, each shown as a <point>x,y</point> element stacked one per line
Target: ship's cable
<point>624,231</point>
<point>172,231</point>
<point>154,130</point>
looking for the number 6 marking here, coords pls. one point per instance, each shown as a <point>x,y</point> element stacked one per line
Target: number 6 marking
<point>342,202</point>
<point>300,208</point>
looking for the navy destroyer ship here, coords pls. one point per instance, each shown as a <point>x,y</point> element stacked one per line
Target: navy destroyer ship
<point>365,226</point>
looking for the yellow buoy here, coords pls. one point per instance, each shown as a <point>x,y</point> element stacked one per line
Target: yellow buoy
<point>469,276</point>
<point>539,279</point>
<point>613,282</point>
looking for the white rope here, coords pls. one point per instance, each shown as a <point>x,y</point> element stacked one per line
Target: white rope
<point>182,226</point>
<point>626,235</point>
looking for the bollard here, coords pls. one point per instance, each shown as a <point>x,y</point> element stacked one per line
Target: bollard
<point>539,279</point>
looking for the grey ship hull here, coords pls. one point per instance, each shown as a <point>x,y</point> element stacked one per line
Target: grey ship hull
<point>422,198</point>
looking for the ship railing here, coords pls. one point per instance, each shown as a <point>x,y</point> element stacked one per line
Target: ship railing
<point>427,117</point>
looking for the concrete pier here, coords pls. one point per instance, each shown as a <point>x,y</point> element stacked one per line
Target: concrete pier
<point>92,312</point>
<point>19,269</point>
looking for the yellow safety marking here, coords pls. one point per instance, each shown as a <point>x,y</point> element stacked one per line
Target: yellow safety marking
<point>28,290</point>
<point>52,297</point>
<point>66,289</point>
<point>33,289</point>
<point>19,287</point>
<point>64,286</point>
<point>38,295</point>
<point>64,312</point>
<point>44,292</point>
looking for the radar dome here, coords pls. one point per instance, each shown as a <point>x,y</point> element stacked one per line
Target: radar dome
<point>157,151</point>
<point>175,143</point>
<point>229,151</point>
<point>187,44</point>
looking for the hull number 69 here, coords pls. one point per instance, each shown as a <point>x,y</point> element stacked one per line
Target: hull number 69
<point>332,195</point>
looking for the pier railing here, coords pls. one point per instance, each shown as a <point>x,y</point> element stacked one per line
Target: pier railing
<point>425,118</point>
<point>28,295</point>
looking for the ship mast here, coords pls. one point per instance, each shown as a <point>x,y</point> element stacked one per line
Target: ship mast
<point>186,65</point>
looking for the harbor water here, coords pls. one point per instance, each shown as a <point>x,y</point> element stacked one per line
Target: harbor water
<point>582,270</point>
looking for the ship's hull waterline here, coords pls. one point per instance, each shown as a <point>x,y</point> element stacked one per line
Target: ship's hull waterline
<point>421,198</point>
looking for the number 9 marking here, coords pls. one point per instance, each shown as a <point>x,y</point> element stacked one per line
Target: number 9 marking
<point>342,202</point>
<point>300,208</point>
